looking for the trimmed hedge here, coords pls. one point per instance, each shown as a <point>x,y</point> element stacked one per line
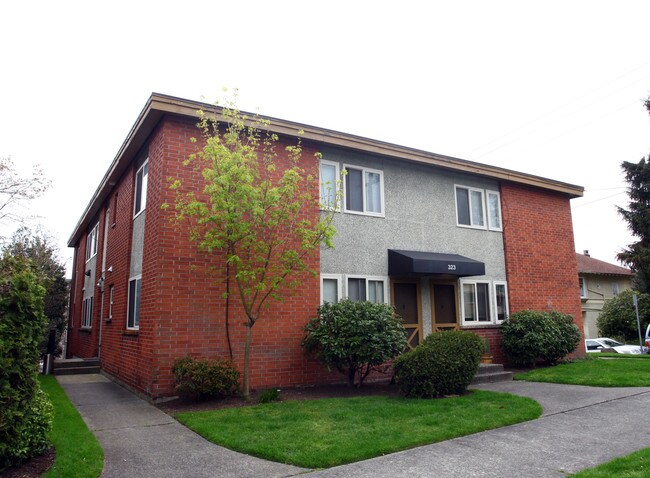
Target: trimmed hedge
<point>25,411</point>
<point>443,364</point>
<point>531,335</point>
<point>199,379</point>
<point>355,337</point>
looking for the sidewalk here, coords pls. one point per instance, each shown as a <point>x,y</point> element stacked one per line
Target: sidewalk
<point>580,428</point>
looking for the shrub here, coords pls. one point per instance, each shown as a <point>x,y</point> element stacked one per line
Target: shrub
<point>269,395</point>
<point>25,413</point>
<point>443,364</point>
<point>618,317</point>
<point>531,335</point>
<point>199,379</point>
<point>355,337</point>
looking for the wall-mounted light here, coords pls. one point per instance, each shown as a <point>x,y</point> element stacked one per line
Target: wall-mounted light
<point>88,272</point>
<point>110,269</point>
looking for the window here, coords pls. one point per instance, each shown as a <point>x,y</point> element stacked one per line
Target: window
<point>87,313</point>
<point>483,302</point>
<point>615,289</point>
<point>141,189</point>
<point>111,291</point>
<point>501,301</point>
<point>494,210</point>
<point>91,242</point>
<point>329,184</point>
<point>583,288</point>
<point>364,191</point>
<point>133,316</point>
<point>372,289</point>
<point>330,290</point>
<point>470,210</point>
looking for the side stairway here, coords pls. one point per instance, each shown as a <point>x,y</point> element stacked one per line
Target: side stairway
<point>493,372</point>
<point>75,366</point>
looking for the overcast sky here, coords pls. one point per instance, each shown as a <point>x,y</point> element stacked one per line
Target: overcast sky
<point>551,88</point>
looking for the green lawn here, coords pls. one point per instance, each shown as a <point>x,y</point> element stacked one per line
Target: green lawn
<point>78,454</point>
<point>329,432</point>
<point>636,465</point>
<point>610,370</point>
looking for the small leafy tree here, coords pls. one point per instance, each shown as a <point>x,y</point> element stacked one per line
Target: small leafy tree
<point>262,215</point>
<point>25,412</point>
<point>43,257</point>
<point>618,317</point>
<point>637,216</point>
<point>354,337</point>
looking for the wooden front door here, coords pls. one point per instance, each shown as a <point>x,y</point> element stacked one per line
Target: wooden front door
<point>443,307</point>
<point>406,300</point>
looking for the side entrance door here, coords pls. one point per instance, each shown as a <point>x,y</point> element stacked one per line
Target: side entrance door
<point>443,307</point>
<point>406,300</point>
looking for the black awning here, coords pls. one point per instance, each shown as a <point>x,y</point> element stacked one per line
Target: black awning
<point>402,263</point>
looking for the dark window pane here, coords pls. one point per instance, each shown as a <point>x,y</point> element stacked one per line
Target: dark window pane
<point>357,289</point>
<point>462,205</point>
<point>354,190</point>
<point>483,302</point>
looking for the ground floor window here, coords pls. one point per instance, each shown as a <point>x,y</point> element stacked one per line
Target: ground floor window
<point>370,288</point>
<point>483,302</point>
<point>87,313</point>
<point>133,316</point>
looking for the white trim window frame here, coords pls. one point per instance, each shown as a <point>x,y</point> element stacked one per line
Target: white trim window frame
<point>87,313</point>
<point>501,307</point>
<point>468,213</point>
<point>111,301</point>
<point>140,189</point>
<point>133,303</point>
<point>370,292</point>
<point>493,209</point>
<point>582,283</point>
<point>371,186</point>
<point>329,278</point>
<point>92,242</point>
<point>329,186</point>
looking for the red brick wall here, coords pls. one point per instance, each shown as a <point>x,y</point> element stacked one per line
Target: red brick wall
<point>540,252</point>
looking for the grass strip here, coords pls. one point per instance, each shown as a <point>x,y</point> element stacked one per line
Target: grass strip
<point>329,432</point>
<point>78,454</point>
<point>595,372</point>
<point>635,465</point>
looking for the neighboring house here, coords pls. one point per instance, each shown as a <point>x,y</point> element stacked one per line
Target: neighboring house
<point>599,281</point>
<point>453,244</point>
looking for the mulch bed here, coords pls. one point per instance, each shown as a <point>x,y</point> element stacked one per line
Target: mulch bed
<point>34,468</point>
<point>180,405</point>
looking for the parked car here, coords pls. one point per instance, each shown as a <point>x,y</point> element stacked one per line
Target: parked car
<point>597,345</point>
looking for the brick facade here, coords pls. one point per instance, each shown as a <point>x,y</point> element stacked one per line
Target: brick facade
<point>540,253</point>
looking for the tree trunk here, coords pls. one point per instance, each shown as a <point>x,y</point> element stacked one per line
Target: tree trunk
<point>247,356</point>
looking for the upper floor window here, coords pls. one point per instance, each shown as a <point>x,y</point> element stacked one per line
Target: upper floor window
<point>329,184</point>
<point>583,287</point>
<point>364,191</point>
<point>91,242</point>
<point>483,304</point>
<point>615,289</point>
<point>141,189</point>
<point>471,209</point>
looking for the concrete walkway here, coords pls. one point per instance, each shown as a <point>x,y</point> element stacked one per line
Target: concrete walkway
<point>580,428</point>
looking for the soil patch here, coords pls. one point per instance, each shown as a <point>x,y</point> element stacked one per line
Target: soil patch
<point>298,393</point>
<point>33,468</point>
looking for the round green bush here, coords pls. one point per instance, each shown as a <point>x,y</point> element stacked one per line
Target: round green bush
<point>354,337</point>
<point>443,364</point>
<point>199,379</point>
<point>530,335</point>
<point>618,317</point>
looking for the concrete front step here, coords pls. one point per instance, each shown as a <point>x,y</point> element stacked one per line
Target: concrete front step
<point>489,373</point>
<point>75,366</point>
